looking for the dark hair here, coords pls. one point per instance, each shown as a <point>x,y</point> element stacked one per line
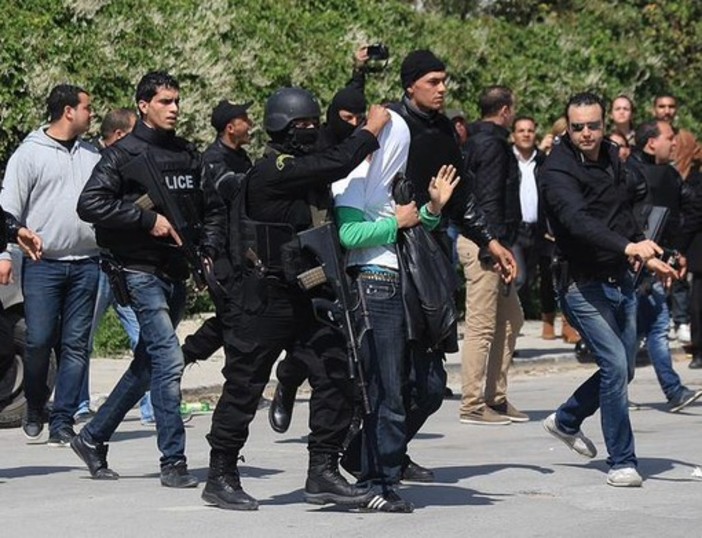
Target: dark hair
<point>662,95</point>
<point>622,96</point>
<point>620,135</point>
<point>647,130</point>
<point>60,97</point>
<point>585,99</point>
<point>523,118</point>
<point>493,99</point>
<point>150,84</point>
<point>120,118</point>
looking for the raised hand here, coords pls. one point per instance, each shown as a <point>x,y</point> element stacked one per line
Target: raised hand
<point>441,188</point>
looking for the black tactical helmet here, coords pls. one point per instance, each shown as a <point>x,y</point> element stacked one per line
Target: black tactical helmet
<point>287,105</point>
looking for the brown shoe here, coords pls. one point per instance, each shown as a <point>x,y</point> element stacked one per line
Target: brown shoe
<point>570,335</point>
<point>507,410</point>
<point>548,331</point>
<point>484,415</point>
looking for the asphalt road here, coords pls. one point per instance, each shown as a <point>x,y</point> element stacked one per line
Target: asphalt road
<point>499,481</point>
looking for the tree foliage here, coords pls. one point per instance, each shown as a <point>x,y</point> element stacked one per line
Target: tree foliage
<point>245,49</point>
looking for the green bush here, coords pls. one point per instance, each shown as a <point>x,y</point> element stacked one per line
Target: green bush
<point>110,337</point>
<point>245,49</point>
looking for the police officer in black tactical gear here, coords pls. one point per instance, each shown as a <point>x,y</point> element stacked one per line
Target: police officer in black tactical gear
<point>148,244</point>
<point>225,154</point>
<point>345,114</point>
<point>270,314</point>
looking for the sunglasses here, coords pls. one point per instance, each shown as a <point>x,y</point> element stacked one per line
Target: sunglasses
<point>591,125</point>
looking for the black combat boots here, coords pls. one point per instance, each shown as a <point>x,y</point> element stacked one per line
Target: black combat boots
<point>325,484</point>
<point>223,487</point>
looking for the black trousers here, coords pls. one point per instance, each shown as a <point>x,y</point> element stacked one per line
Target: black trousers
<point>202,344</point>
<point>291,371</point>
<point>253,342</point>
<point>696,313</point>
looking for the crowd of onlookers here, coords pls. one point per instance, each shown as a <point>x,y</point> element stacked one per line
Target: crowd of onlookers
<point>501,154</point>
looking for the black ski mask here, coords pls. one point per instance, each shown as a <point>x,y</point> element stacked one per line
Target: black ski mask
<point>351,99</point>
<point>302,140</point>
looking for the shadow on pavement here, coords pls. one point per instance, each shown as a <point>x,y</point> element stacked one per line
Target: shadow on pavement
<point>649,468</point>
<point>429,495</point>
<point>296,440</point>
<point>451,475</point>
<point>23,472</point>
<point>134,434</point>
<point>421,496</point>
<point>428,436</point>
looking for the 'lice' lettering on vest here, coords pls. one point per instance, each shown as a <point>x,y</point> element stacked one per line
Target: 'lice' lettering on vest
<point>180,182</point>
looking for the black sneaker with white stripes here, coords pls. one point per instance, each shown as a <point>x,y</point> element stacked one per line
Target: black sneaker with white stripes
<point>389,501</point>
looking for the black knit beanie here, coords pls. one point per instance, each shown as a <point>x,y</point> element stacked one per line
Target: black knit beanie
<point>417,64</point>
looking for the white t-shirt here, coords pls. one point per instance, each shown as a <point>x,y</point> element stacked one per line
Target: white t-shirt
<point>368,188</point>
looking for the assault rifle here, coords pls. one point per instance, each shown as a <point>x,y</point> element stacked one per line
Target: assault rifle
<point>322,243</point>
<point>184,219</point>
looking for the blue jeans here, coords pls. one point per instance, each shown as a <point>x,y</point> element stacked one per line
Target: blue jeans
<point>105,299</point>
<point>405,385</point>
<point>605,316</point>
<point>158,364</point>
<point>653,320</point>
<point>59,297</point>
<point>384,355</point>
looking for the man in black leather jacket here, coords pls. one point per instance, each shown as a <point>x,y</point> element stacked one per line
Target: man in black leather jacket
<point>145,243</point>
<point>493,312</point>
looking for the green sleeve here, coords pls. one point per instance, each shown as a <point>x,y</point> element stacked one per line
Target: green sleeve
<point>356,232</point>
<point>429,221</point>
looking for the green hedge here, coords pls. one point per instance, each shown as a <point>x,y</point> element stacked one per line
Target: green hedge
<point>245,49</point>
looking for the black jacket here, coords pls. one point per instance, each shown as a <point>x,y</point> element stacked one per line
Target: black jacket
<point>278,185</point>
<point>434,144</point>
<point>589,206</point>
<point>108,201</point>
<point>236,160</point>
<point>492,175</point>
<point>664,188</point>
<point>691,236</point>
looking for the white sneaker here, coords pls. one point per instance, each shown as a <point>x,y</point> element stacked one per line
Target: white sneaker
<point>684,336</point>
<point>577,443</point>
<point>627,477</point>
<point>673,332</point>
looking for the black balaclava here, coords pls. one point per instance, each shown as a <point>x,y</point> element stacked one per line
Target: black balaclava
<point>351,99</point>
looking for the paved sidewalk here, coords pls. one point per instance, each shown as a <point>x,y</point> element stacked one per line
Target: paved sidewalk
<point>204,379</point>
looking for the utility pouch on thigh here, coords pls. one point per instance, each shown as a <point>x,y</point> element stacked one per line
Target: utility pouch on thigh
<point>117,280</point>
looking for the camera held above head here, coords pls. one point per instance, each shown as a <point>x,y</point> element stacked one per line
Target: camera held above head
<point>378,51</point>
<point>378,55</point>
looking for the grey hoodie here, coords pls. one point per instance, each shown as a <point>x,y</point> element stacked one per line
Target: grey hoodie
<point>41,187</point>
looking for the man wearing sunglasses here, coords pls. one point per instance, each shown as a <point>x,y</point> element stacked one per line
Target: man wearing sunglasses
<point>588,203</point>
